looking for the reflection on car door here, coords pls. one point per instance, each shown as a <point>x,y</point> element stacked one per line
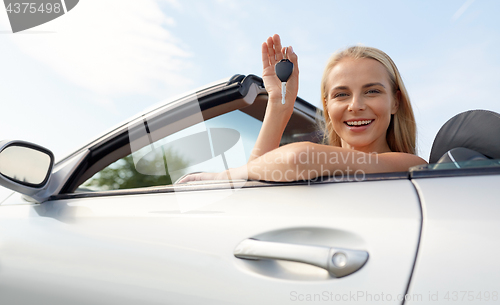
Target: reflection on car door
<point>177,247</point>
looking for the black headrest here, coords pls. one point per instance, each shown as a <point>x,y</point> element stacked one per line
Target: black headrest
<point>478,130</point>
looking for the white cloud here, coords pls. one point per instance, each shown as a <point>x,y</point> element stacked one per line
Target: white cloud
<point>112,47</point>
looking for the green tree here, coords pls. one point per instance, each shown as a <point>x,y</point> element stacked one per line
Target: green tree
<point>123,174</point>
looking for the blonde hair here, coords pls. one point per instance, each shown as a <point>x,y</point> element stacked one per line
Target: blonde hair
<point>402,131</point>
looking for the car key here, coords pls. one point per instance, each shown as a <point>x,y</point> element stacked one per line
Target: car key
<point>284,69</point>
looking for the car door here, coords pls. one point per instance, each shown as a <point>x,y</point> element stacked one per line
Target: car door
<point>179,243</point>
<point>150,247</point>
<point>458,255</point>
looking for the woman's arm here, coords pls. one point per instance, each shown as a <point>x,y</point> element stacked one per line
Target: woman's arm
<point>306,160</point>
<point>277,115</point>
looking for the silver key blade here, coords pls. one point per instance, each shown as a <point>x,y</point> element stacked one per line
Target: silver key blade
<point>283,92</point>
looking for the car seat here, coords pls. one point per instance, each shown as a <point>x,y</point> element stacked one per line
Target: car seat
<point>468,136</point>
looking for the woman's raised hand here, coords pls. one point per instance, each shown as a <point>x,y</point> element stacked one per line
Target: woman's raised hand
<point>277,114</point>
<point>272,53</point>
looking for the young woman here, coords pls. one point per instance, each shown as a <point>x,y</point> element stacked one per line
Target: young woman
<point>369,121</point>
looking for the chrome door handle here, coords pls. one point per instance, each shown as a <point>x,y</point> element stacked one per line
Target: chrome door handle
<point>338,262</point>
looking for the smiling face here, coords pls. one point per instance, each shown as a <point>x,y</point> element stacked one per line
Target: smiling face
<point>360,102</point>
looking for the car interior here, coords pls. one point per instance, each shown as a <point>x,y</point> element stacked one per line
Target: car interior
<point>469,136</point>
<point>468,140</point>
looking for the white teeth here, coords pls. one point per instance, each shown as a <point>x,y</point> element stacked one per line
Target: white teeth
<point>357,123</point>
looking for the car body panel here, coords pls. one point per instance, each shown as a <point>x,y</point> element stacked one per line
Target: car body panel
<point>142,247</point>
<point>458,255</point>
<point>4,193</point>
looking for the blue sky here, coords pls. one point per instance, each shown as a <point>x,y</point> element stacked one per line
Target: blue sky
<point>69,80</point>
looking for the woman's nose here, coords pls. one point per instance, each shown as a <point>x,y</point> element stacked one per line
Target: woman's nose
<point>356,104</point>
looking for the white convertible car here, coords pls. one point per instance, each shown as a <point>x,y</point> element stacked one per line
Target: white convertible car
<point>106,225</point>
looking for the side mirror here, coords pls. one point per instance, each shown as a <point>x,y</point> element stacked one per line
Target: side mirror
<point>24,167</point>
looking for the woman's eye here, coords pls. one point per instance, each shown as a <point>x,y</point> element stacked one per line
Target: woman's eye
<point>373,91</point>
<point>340,95</point>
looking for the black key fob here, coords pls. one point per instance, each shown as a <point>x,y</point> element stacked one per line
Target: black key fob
<point>284,69</point>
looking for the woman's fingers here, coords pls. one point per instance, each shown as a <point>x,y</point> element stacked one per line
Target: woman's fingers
<point>294,59</point>
<point>277,47</point>
<point>203,176</point>
<point>187,178</point>
<point>270,51</point>
<point>265,56</point>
